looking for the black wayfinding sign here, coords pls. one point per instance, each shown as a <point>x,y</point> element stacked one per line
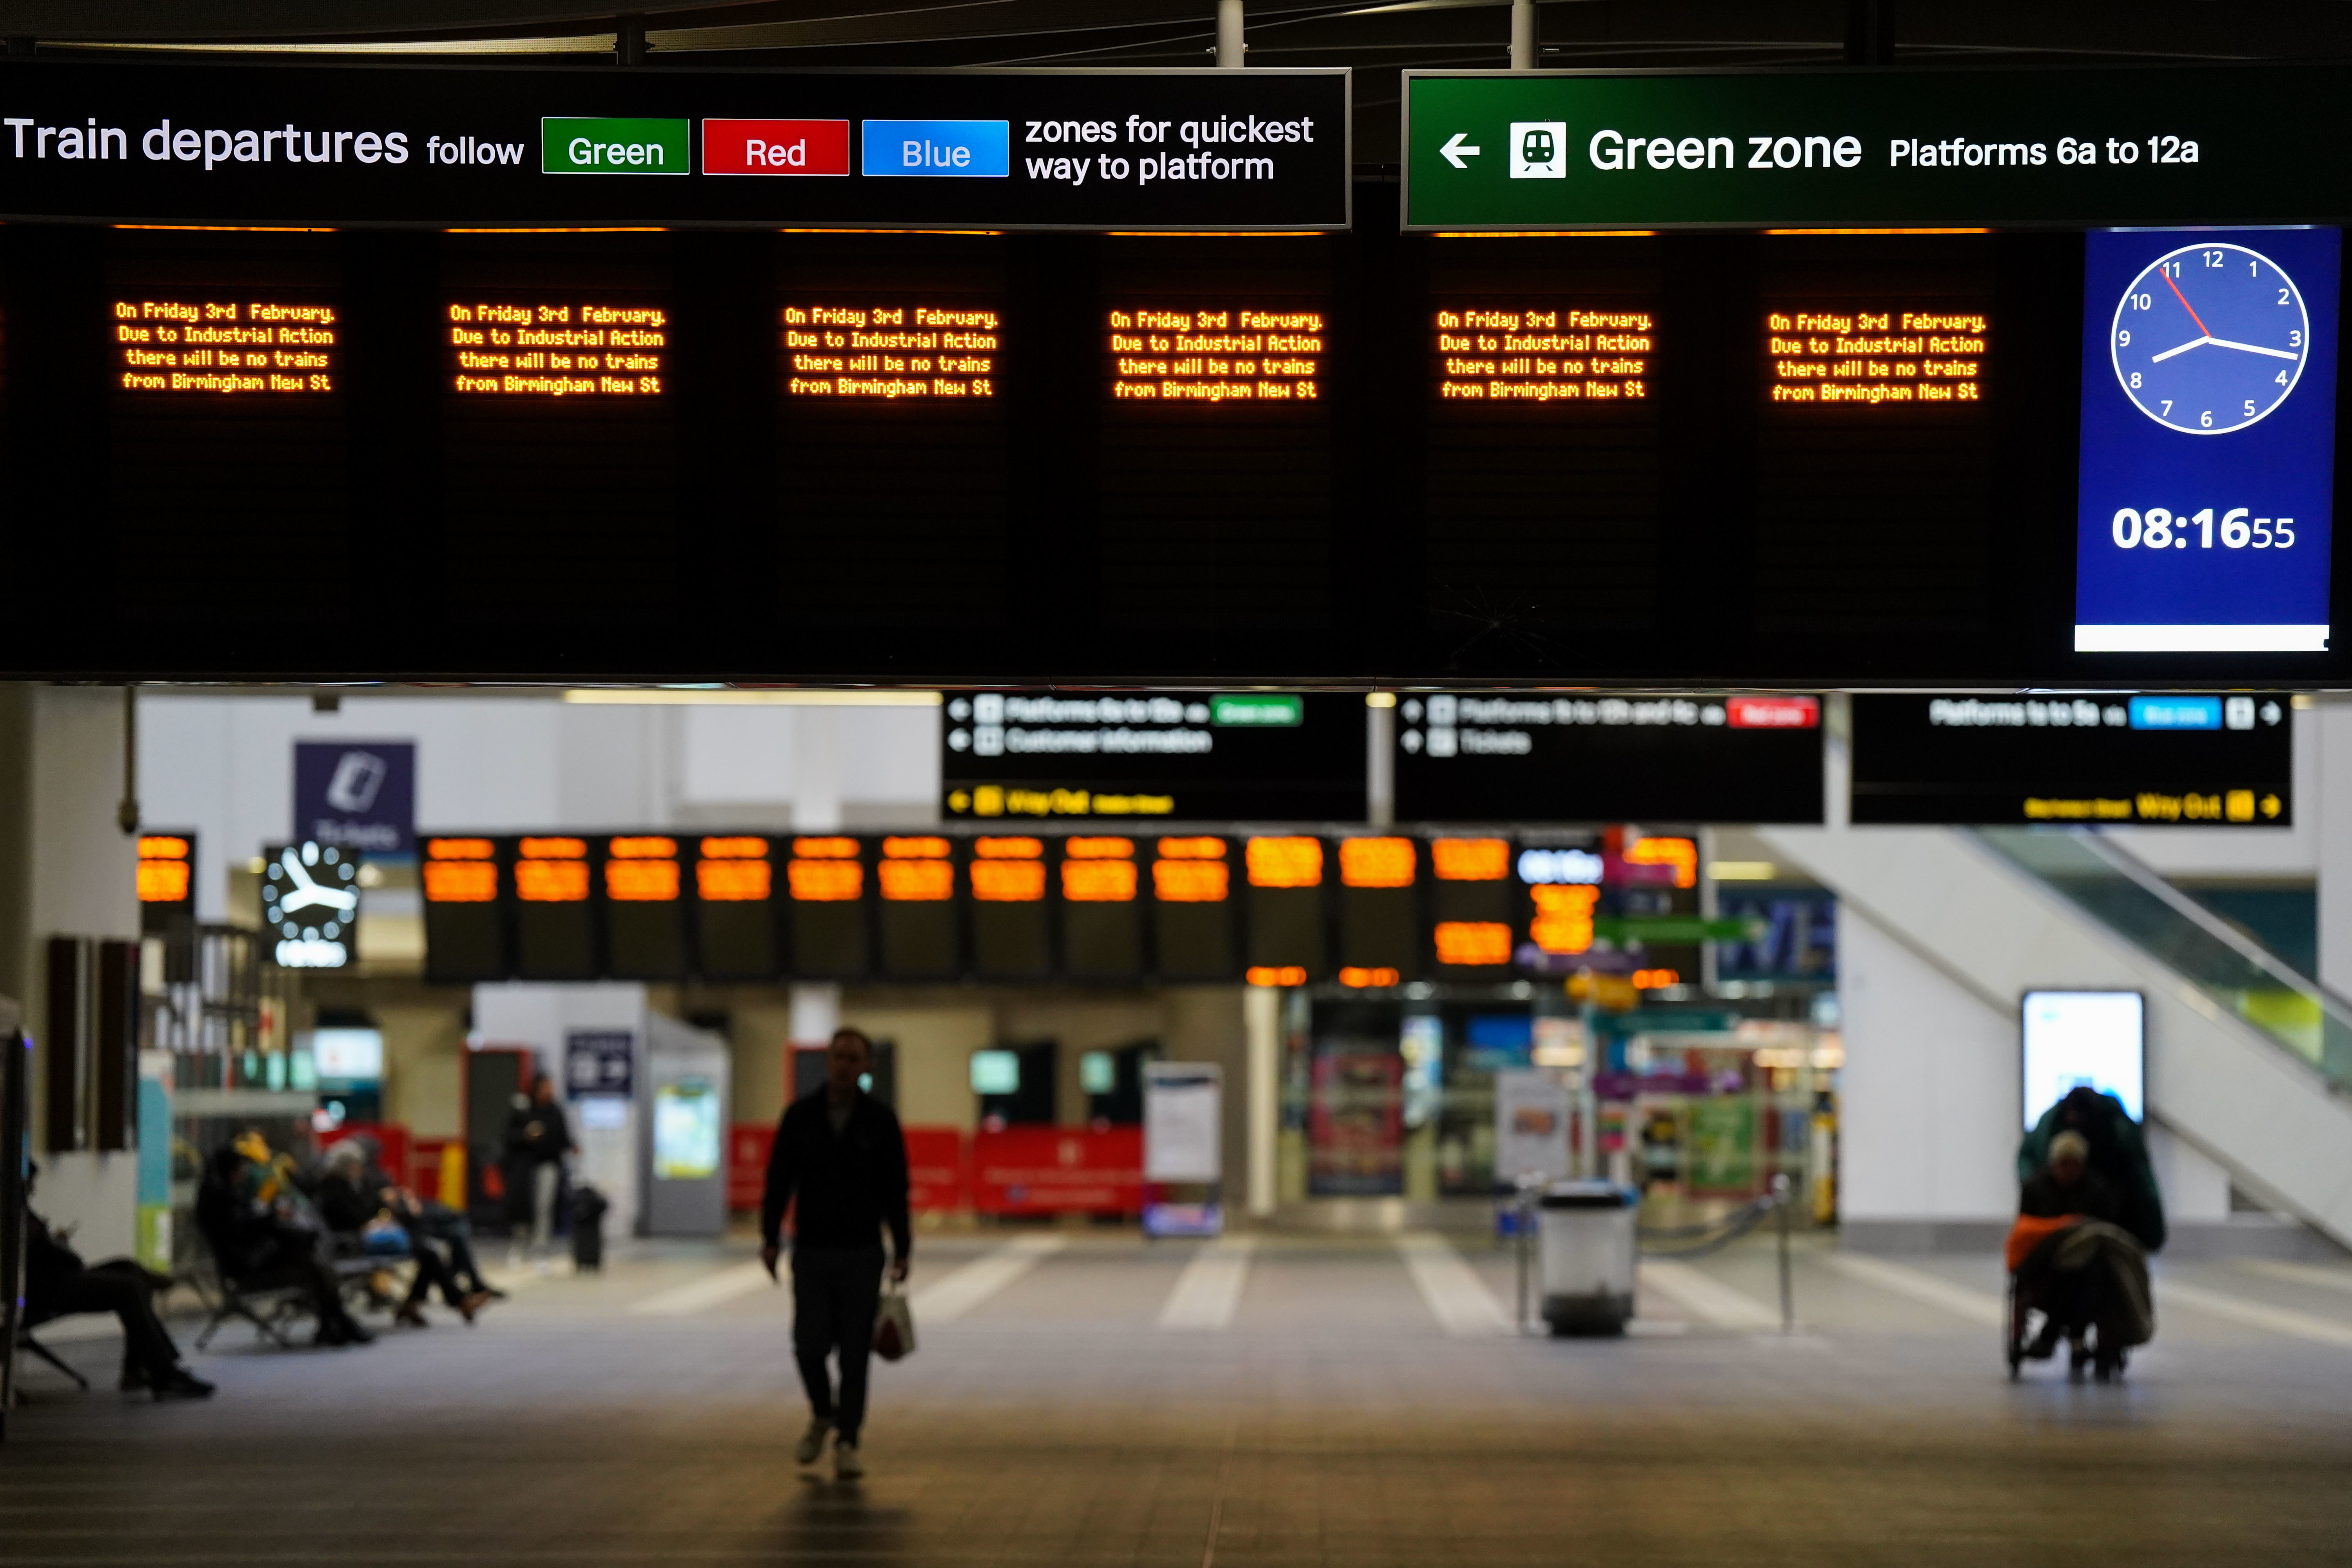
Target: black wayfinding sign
<point>345,144</point>
<point>1463,758</point>
<point>2176,760</point>
<point>1170,756</point>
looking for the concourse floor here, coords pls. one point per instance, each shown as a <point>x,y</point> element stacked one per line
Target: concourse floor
<point>1081,1397</point>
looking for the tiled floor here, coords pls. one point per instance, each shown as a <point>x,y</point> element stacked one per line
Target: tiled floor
<point>1331,1419</point>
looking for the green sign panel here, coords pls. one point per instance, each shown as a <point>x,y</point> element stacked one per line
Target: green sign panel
<point>1569,149</point>
<point>1258,711</point>
<point>1665,930</point>
<point>606,146</point>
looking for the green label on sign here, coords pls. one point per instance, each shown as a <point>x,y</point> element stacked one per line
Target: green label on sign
<point>1796,149</point>
<point>1660,929</point>
<point>591,146</point>
<point>1260,713</point>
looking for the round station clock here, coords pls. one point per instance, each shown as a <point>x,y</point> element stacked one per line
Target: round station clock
<point>2211,338</point>
<point>309,893</point>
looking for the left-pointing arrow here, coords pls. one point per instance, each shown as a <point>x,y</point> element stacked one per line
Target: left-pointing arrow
<point>1454,151</point>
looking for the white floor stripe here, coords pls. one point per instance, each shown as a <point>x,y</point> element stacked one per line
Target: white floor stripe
<point>1457,1298</point>
<point>2277,1320</point>
<point>1705,1297</point>
<point>1960,1301</point>
<point>1209,1292</point>
<point>700,1295</point>
<point>2325,1276</point>
<point>953,1294</point>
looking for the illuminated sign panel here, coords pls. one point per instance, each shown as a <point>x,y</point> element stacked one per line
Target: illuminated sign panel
<point>830,931</point>
<point>889,352</point>
<point>465,920</point>
<point>1876,358</point>
<point>1378,909</point>
<point>917,914</point>
<point>1172,755</point>
<point>1225,355</point>
<point>216,347</point>
<point>645,917</point>
<point>1471,758</point>
<point>166,883</point>
<point>1192,891</point>
<point>1287,913</point>
<point>2178,760</point>
<point>372,145</point>
<point>735,923</point>
<point>1551,354</point>
<point>585,350</point>
<point>555,925</point>
<point>1102,918</point>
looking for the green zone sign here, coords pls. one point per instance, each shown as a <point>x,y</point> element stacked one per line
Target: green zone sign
<point>1660,931</point>
<point>1572,150</point>
<point>1260,711</point>
<point>608,146</point>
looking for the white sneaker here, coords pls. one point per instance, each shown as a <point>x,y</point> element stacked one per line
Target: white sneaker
<point>846,1464</point>
<point>812,1443</point>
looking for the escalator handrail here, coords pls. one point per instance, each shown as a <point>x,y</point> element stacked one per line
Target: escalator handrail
<point>2137,872</point>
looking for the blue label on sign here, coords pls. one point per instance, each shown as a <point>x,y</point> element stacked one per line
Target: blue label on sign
<point>360,795</point>
<point>2176,712</point>
<point>962,149</point>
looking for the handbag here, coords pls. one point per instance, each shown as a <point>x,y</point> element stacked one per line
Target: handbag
<point>894,1325</point>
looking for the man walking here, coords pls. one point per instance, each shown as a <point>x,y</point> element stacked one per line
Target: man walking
<point>840,1154</point>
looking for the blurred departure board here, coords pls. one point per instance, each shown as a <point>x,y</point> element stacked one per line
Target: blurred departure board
<point>465,917</point>
<point>735,909</point>
<point>1012,936</point>
<point>1193,902</point>
<point>644,907</point>
<point>2157,760</point>
<point>1288,943</point>
<point>1103,905</point>
<point>918,913</point>
<point>1379,935</point>
<point>825,882</point>
<point>1466,758</point>
<point>555,925</point>
<point>1172,756</point>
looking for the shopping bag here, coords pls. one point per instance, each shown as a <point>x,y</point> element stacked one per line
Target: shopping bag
<point>894,1325</point>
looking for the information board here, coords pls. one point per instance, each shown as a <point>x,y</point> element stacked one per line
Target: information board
<point>1466,758</point>
<point>1777,148</point>
<point>2168,760</point>
<point>1170,757</point>
<point>417,145</point>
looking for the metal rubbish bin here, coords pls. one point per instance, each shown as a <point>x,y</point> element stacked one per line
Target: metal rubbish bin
<point>1585,1245</point>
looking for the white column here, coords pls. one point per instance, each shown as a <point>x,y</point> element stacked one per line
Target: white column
<point>1523,35</point>
<point>2329,811</point>
<point>1230,46</point>
<point>1262,1029</point>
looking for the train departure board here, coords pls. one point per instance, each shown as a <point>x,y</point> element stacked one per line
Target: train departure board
<point>1170,756</point>
<point>1104,382</point>
<point>735,907</point>
<point>465,916</point>
<point>2157,760</point>
<point>1500,758</point>
<point>644,907</point>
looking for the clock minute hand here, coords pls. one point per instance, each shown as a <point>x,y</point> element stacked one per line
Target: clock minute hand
<point>2252,349</point>
<point>2184,348</point>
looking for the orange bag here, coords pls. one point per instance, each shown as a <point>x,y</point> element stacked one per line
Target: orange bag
<point>2030,1231</point>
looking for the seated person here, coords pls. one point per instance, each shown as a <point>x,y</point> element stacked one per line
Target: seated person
<point>428,1219</point>
<point>259,1247</point>
<point>58,1283</point>
<point>2073,1289</point>
<point>350,1205</point>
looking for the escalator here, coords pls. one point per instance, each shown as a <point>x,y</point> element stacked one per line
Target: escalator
<point>2249,1061</point>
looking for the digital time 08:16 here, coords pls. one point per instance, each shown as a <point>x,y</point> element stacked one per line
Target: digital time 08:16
<point>2158,528</point>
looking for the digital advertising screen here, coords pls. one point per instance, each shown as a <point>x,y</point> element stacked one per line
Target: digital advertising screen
<point>1473,758</point>
<point>2155,759</point>
<point>2208,440</point>
<point>2072,1039</point>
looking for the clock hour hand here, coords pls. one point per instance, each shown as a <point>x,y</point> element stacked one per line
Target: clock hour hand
<point>2254,348</point>
<point>2182,349</point>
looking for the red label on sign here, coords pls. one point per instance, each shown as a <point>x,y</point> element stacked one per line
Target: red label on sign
<point>775,147</point>
<point>1774,712</point>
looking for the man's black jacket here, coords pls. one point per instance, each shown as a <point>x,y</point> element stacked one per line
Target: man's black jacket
<point>849,1184</point>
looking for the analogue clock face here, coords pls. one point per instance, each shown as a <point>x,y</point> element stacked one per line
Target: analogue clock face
<point>2211,338</point>
<point>310,893</point>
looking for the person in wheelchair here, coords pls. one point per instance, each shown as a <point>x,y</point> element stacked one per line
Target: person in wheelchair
<point>2074,1263</point>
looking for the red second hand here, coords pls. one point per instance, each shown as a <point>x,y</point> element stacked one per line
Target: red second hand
<point>2184,302</point>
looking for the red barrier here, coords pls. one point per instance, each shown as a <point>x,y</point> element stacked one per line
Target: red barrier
<point>1055,1170</point>
<point>748,1143</point>
<point>938,1170</point>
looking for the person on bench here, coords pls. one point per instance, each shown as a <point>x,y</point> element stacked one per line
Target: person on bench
<point>354,1210</point>
<point>427,1219</point>
<point>57,1284</point>
<point>259,1247</point>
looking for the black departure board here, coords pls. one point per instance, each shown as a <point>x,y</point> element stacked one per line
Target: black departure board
<point>645,906</point>
<point>1104,894</point>
<point>1132,760</point>
<point>1505,757</point>
<point>735,897</point>
<point>1195,899</point>
<point>554,909</point>
<point>2157,760</point>
<point>918,913</point>
<point>828,894</point>
<point>464,883</point>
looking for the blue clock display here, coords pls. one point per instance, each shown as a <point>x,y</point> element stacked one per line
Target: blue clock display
<point>2211,338</point>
